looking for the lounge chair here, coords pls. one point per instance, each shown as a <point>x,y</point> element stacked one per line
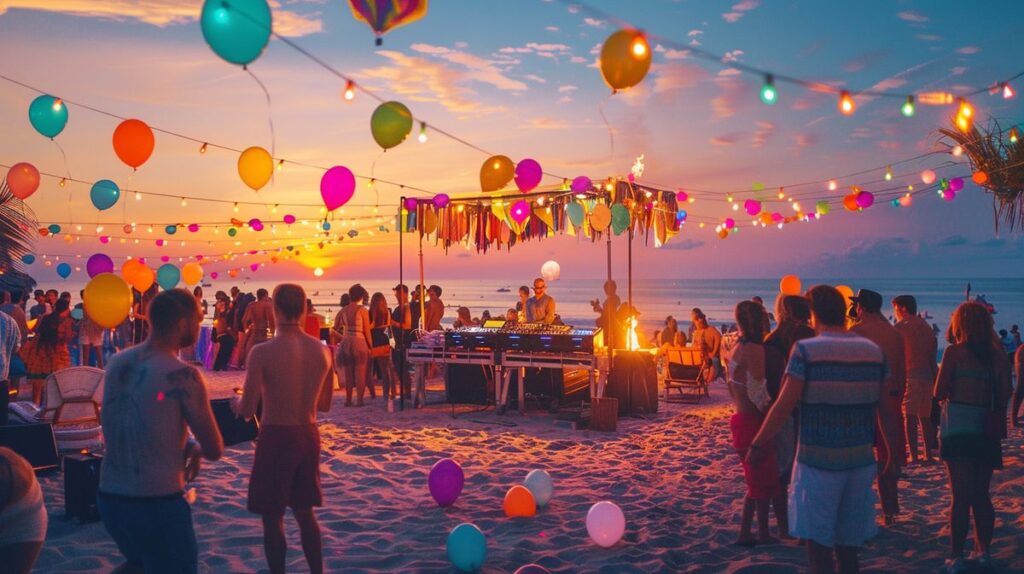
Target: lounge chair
<point>685,374</point>
<point>71,403</point>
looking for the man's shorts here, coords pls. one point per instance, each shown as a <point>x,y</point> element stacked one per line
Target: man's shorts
<point>153,532</point>
<point>286,471</point>
<point>833,507</point>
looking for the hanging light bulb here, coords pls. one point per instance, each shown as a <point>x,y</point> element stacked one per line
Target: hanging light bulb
<point>966,109</point>
<point>423,132</point>
<point>236,207</point>
<point>138,196</point>
<point>183,202</point>
<point>908,107</point>
<point>1013,135</point>
<point>639,48</point>
<point>782,193</point>
<point>846,104</point>
<point>832,185</point>
<point>202,148</point>
<point>280,164</point>
<point>273,209</point>
<point>768,94</point>
<point>888,173</point>
<point>350,90</point>
<point>1008,91</point>
<point>57,103</point>
<point>63,181</point>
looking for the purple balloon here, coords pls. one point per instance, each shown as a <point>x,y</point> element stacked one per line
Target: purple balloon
<point>528,175</point>
<point>532,569</point>
<point>446,481</point>
<point>865,199</point>
<point>99,263</point>
<point>337,186</point>
<point>956,184</point>
<point>441,200</point>
<point>411,203</point>
<point>580,184</point>
<point>256,224</point>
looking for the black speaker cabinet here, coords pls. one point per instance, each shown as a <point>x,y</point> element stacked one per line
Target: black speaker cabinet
<point>634,381</point>
<point>81,483</point>
<point>34,442</point>
<point>469,384</point>
<point>233,429</point>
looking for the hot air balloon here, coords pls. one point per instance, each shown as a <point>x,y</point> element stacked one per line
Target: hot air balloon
<point>383,15</point>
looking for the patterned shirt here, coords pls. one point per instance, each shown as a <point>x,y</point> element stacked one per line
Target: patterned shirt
<point>10,340</point>
<point>842,375</point>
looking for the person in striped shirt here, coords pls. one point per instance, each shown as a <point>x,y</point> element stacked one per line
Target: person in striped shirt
<point>836,380</point>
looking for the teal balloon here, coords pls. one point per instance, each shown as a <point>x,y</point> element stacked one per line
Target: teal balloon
<point>467,547</point>
<point>28,259</point>
<point>620,218</point>
<point>167,276</point>
<point>104,194</point>
<point>48,115</point>
<point>232,232</point>
<point>236,30</point>
<point>77,314</point>
<point>171,229</point>
<point>54,229</point>
<point>575,212</point>
<point>326,226</point>
<point>64,270</point>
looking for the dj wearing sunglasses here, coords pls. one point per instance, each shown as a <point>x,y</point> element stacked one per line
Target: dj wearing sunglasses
<point>541,307</point>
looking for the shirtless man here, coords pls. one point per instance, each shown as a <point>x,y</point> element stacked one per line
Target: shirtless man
<point>258,322</point>
<point>149,397</point>
<point>293,372</point>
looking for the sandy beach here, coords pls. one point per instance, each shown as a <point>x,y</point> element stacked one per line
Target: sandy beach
<point>674,475</point>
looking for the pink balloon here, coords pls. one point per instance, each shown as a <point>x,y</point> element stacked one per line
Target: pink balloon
<point>956,184</point>
<point>520,211</point>
<point>949,195</point>
<point>411,203</point>
<point>104,239</point>
<point>289,219</point>
<point>165,258</point>
<point>865,199</point>
<point>254,266</point>
<point>337,186</point>
<point>193,227</point>
<point>23,179</point>
<point>752,206</point>
<point>580,184</point>
<point>730,223</point>
<point>214,275</point>
<point>528,175</point>
<point>256,224</point>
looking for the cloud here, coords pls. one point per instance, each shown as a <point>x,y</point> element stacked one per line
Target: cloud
<point>552,29</point>
<point>732,56</point>
<point>565,100</point>
<point>462,45</point>
<point>864,60</point>
<point>763,133</point>
<point>566,89</point>
<point>695,33</point>
<point>739,10</point>
<point>578,60</point>
<point>953,241</point>
<point>484,71</point>
<point>546,124</point>
<point>912,16</point>
<point>968,50</point>
<point>676,54</point>
<point>929,37</point>
<point>676,76</point>
<point>958,70</point>
<point>161,13</point>
<point>806,140</point>
<point>991,243</point>
<point>536,78</point>
<point>729,72</point>
<point>684,244</point>
<point>728,139</point>
<point>594,22</point>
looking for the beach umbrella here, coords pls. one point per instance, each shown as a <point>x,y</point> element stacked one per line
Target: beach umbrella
<point>384,15</point>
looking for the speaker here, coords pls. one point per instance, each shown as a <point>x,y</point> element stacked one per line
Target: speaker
<point>81,483</point>
<point>469,384</point>
<point>233,429</point>
<point>34,442</point>
<point>634,381</point>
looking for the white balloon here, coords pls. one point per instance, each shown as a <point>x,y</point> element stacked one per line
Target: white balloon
<point>550,271</point>
<point>606,524</point>
<point>539,483</point>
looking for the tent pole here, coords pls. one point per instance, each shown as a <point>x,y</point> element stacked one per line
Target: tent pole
<point>403,369</point>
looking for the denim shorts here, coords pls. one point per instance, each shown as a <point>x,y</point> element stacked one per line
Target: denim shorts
<point>152,532</point>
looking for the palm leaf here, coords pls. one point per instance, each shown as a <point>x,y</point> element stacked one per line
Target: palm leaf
<point>17,234</point>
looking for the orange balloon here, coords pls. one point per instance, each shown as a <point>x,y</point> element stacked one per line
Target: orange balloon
<point>790,285</point>
<point>143,278</point>
<point>519,502</point>
<point>980,177</point>
<point>128,269</point>
<point>846,291</point>
<point>625,59</point>
<point>133,142</point>
<point>23,180</point>
<point>723,233</point>
<point>496,172</point>
<point>850,202</point>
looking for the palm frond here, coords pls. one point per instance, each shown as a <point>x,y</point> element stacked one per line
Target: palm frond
<point>17,234</point>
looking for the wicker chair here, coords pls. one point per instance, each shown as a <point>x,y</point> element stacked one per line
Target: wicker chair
<point>71,403</point>
<point>686,374</point>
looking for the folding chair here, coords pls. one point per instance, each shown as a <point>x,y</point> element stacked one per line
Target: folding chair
<point>686,374</point>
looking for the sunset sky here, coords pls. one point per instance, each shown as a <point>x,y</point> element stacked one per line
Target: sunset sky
<point>519,79</point>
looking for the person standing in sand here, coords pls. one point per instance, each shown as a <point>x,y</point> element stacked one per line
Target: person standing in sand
<point>434,310</point>
<point>836,380</point>
<point>149,398</point>
<point>293,374</point>
<point>920,350</point>
<point>258,323</point>
<point>353,354</point>
<point>1018,391</point>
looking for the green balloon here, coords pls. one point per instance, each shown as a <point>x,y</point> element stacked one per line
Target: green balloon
<point>48,115</point>
<point>575,212</point>
<point>236,30</point>
<point>390,124</point>
<point>620,218</point>
<point>232,232</point>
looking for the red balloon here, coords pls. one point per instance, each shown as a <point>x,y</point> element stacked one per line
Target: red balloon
<point>23,179</point>
<point>133,142</point>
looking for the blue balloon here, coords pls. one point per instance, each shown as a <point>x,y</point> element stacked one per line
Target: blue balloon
<point>326,226</point>
<point>53,228</point>
<point>467,547</point>
<point>167,276</point>
<point>77,314</point>
<point>28,259</point>
<point>171,229</point>
<point>237,31</point>
<point>48,115</point>
<point>64,270</point>
<point>104,194</point>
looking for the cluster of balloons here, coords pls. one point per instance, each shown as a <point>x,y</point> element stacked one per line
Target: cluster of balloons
<point>138,275</point>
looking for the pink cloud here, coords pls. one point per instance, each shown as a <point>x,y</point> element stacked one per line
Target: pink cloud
<point>968,50</point>
<point>671,77</point>
<point>725,139</point>
<point>423,80</point>
<point>483,70</point>
<point>763,133</point>
<point>594,22</point>
<point>912,16</point>
<point>547,124</point>
<point>739,10</point>
<point>806,140</point>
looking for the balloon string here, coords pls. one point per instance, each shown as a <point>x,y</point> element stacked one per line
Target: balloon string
<point>67,170</point>
<point>373,179</point>
<point>270,117</point>
<point>611,134</point>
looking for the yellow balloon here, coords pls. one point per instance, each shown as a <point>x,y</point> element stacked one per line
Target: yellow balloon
<point>192,273</point>
<point>790,285</point>
<point>255,167</point>
<point>108,299</point>
<point>496,172</point>
<point>625,59</point>
<point>142,278</point>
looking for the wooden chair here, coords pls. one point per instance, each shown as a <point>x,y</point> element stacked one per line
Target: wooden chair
<point>685,373</point>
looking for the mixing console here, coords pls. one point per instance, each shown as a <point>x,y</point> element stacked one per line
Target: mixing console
<point>523,337</point>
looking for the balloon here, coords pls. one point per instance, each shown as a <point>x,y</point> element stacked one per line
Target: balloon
<point>600,217</point>
<point>107,300</point>
<point>906,200</point>
<point>496,172</point>
<point>255,224</point>
<point>467,547</point>
<point>99,263</point>
<point>390,124</point>
<point>956,184</point>
<point>193,227</point>
<point>167,276</point>
<point>255,167</point>
<point>411,203</point>
<point>846,292</point>
<point>64,270</point>
<point>128,269</point>
<point>445,481</point>
<point>171,229</point>
<point>581,184</point>
<point>28,259</point>
<point>723,233</point>
<point>752,207</point>
<point>77,314</point>
<point>620,218</point>
<point>575,212</point>
<point>865,199</point>
<point>928,177</point>
<point>192,273</point>
<point>519,502</point>
<point>133,142</point>
<point>532,569</point>
<point>528,175</point>
<point>979,177</point>
<point>53,228</point>
<point>104,194</point>
<point>143,278</point>
<point>551,271</point>
<point>790,285</point>
<point>289,219</point>
<point>23,180</point>
<point>213,275</point>
<point>540,485</point>
<point>232,232</point>
<point>48,115</point>
<point>948,195</point>
<point>337,186</point>
<point>606,524</point>
<point>681,215</point>
<point>850,202</point>
<point>520,211</point>
<point>383,16</point>
<point>625,59</point>
<point>441,200</point>
<point>822,208</point>
<point>237,31</point>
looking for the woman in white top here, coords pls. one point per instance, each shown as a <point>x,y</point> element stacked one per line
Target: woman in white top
<point>353,357</point>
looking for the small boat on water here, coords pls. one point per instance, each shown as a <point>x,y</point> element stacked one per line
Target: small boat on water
<point>505,290</point>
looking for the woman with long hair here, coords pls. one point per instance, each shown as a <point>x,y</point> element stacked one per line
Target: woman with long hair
<point>48,353</point>
<point>973,386</point>
<point>223,336</point>
<point>353,322</point>
<point>463,318</point>
<point>747,386</point>
<point>380,351</point>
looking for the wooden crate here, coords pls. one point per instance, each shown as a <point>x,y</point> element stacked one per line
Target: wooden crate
<point>604,414</point>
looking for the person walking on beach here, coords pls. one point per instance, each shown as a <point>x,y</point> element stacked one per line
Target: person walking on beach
<point>831,502</point>
<point>380,349</point>
<point>1018,391</point>
<point>748,388</point>
<point>354,351</point>
<point>974,387</point>
<point>872,325</point>
<point>292,373</point>
<point>150,400</point>
<point>258,323</point>
<point>920,350</point>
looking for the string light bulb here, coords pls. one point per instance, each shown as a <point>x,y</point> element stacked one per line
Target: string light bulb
<point>183,202</point>
<point>888,173</point>
<point>908,107</point>
<point>280,164</point>
<point>423,132</point>
<point>846,104</point>
<point>236,207</point>
<point>639,48</point>
<point>966,109</point>
<point>202,148</point>
<point>57,103</point>
<point>832,185</point>
<point>1013,135</point>
<point>1008,91</point>
<point>138,196</point>
<point>768,94</point>
<point>782,193</point>
<point>350,90</point>
<point>63,181</point>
